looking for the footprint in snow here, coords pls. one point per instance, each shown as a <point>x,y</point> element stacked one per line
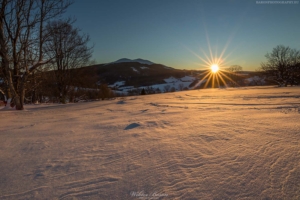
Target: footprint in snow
<point>131,126</point>
<point>121,102</point>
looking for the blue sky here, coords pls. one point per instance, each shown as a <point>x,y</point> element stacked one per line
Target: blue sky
<point>177,32</point>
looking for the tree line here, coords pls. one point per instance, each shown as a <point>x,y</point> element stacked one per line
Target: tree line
<point>43,54</point>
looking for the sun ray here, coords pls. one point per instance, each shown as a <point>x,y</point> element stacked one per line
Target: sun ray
<point>206,56</point>
<point>223,74</point>
<point>208,44</point>
<point>202,65</point>
<point>210,76</point>
<point>206,75</point>
<point>203,79</point>
<point>234,49</point>
<point>222,80</point>
<point>199,64</point>
<point>217,78</point>
<point>215,62</point>
<point>213,80</point>
<point>216,54</point>
<point>198,56</point>
<point>228,42</point>
<point>199,83</point>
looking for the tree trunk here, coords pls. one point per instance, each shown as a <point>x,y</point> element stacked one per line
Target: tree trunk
<point>33,97</point>
<point>22,97</point>
<point>72,96</point>
<point>34,93</point>
<point>63,99</point>
<point>17,99</point>
<point>8,93</point>
<point>17,102</point>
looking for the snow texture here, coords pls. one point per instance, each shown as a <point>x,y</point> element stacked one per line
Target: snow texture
<point>240,143</point>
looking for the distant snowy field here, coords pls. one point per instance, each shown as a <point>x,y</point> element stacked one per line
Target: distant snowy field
<point>203,144</point>
<point>172,82</point>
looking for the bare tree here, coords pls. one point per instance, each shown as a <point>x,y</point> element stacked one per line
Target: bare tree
<point>22,37</point>
<point>234,68</point>
<point>233,73</point>
<point>105,92</point>
<point>283,65</point>
<point>3,85</point>
<point>158,91</point>
<point>150,90</point>
<point>70,51</point>
<point>167,88</point>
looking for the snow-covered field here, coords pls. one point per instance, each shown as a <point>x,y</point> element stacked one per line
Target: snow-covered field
<point>202,144</point>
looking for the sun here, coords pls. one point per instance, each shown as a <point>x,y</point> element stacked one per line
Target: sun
<point>214,68</point>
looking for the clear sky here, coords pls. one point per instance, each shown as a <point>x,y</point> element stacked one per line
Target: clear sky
<point>177,32</point>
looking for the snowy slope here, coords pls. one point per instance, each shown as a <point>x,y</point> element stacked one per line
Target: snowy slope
<point>255,80</point>
<point>201,144</point>
<point>171,82</point>
<point>188,79</point>
<point>117,84</point>
<point>135,70</point>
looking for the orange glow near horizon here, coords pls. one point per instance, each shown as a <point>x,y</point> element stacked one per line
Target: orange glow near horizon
<point>216,72</point>
<point>215,64</point>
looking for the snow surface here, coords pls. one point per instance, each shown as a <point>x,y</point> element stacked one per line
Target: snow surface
<point>254,78</point>
<point>117,84</point>
<point>240,143</point>
<point>188,78</point>
<point>172,84</point>
<point>126,87</point>
<point>183,82</point>
<point>143,67</point>
<point>135,70</point>
<point>171,80</point>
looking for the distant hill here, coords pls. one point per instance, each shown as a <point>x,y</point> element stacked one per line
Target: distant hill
<point>138,72</point>
<point>124,60</point>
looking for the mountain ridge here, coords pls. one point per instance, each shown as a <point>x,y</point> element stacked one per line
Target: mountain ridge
<point>127,60</point>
